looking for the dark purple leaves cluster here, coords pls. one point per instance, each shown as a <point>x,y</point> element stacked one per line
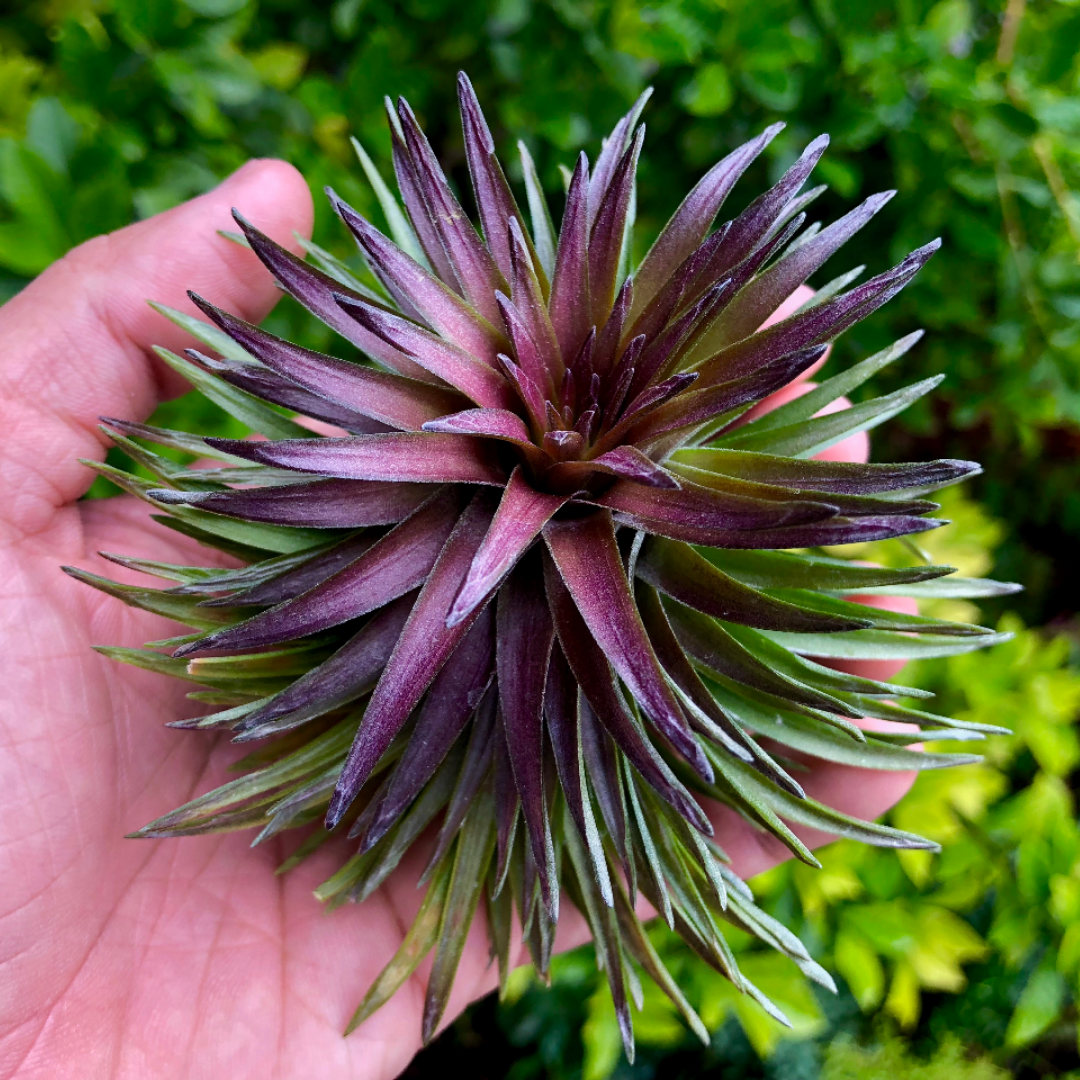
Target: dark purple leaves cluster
<point>541,583</point>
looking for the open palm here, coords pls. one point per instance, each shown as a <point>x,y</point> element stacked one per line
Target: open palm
<point>160,959</point>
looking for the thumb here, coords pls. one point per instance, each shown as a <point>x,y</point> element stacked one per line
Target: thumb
<point>73,343</point>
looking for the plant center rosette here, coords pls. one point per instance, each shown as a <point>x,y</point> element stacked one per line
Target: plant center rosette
<point>545,593</point>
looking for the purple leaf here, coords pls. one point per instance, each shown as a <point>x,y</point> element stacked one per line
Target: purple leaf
<point>454,696</point>
<point>507,805</point>
<point>528,354</point>
<point>693,505</point>
<point>625,461</point>
<point>474,769</point>
<point>610,156</point>
<point>611,333</point>
<point>570,306</point>
<point>608,232</point>
<point>759,299</point>
<point>701,406</point>
<point>418,457</point>
<point>525,634</point>
<point>494,199</point>
<point>494,423</point>
<point>530,394</point>
<point>752,227</point>
<point>814,326</point>
<point>522,513</point>
<point>681,285</point>
<point>474,378</point>
<point>472,262</point>
<point>436,304</point>
<point>325,504</point>
<point>689,224</point>
<point>579,386</point>
<point>844,477</point>
<point>314,570</point>
<point>827,533</point>
<point>263,383</point>
<point>665,352</point>
<point>391,399</point>
<point>593,675</point>
<point>636,417</point>
<point>848,505</point>
<point>423,648</point>
<point>316,291</point>
<point>563,445</point>
<point>394,565</point>
<point>621,377</point>
<point>587,556</point>
<point>420,214</point>
<point>655,396</point>
<point>530,303</point>
<point>631,464</point>
<point>707,337</point>
<point>341,678</point>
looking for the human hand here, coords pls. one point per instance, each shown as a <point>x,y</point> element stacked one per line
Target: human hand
<point>186,959</point>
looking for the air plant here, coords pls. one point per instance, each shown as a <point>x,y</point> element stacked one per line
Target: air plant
<point>543,588</point>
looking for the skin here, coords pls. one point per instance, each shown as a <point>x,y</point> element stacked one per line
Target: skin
<point>182,958</point>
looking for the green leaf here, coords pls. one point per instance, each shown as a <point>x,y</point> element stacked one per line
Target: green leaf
<point>791,570</point>
<point>881,644</point>
<point>500,917</point>
<point>183,609</point>
<point>642,949</point>
<point>185,442</point>
<point>417,943</point>
<point>951,588</point>
<point>810,437</point>
<point>1039,1006</point>
<point>475,846</point>
<point>393,847</point>
<point>326,752</point>
<point>738,785</point>
<point>284,539</point>
<point>640,823</point>
<point>881,618</point>
<point>816,675</point>
<point>804,408</point>
<point>832,288</point>
<point>862,970</point>
<point>799,733</point>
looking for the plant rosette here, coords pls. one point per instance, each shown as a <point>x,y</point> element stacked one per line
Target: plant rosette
<point>543,588</point>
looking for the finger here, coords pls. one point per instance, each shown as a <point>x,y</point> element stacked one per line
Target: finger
<point>76,339</point>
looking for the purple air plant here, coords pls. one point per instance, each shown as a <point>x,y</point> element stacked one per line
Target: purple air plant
<point>544,592</point>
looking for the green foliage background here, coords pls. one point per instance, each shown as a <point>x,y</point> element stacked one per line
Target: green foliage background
<point>111,110</point>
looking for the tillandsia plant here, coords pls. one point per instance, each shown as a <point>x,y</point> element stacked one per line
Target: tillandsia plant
<point>544,587</point>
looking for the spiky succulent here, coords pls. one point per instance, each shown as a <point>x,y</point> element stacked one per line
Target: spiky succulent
<point>549,587</point>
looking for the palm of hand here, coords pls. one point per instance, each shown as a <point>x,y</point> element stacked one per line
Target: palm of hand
<point>168,959</point>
